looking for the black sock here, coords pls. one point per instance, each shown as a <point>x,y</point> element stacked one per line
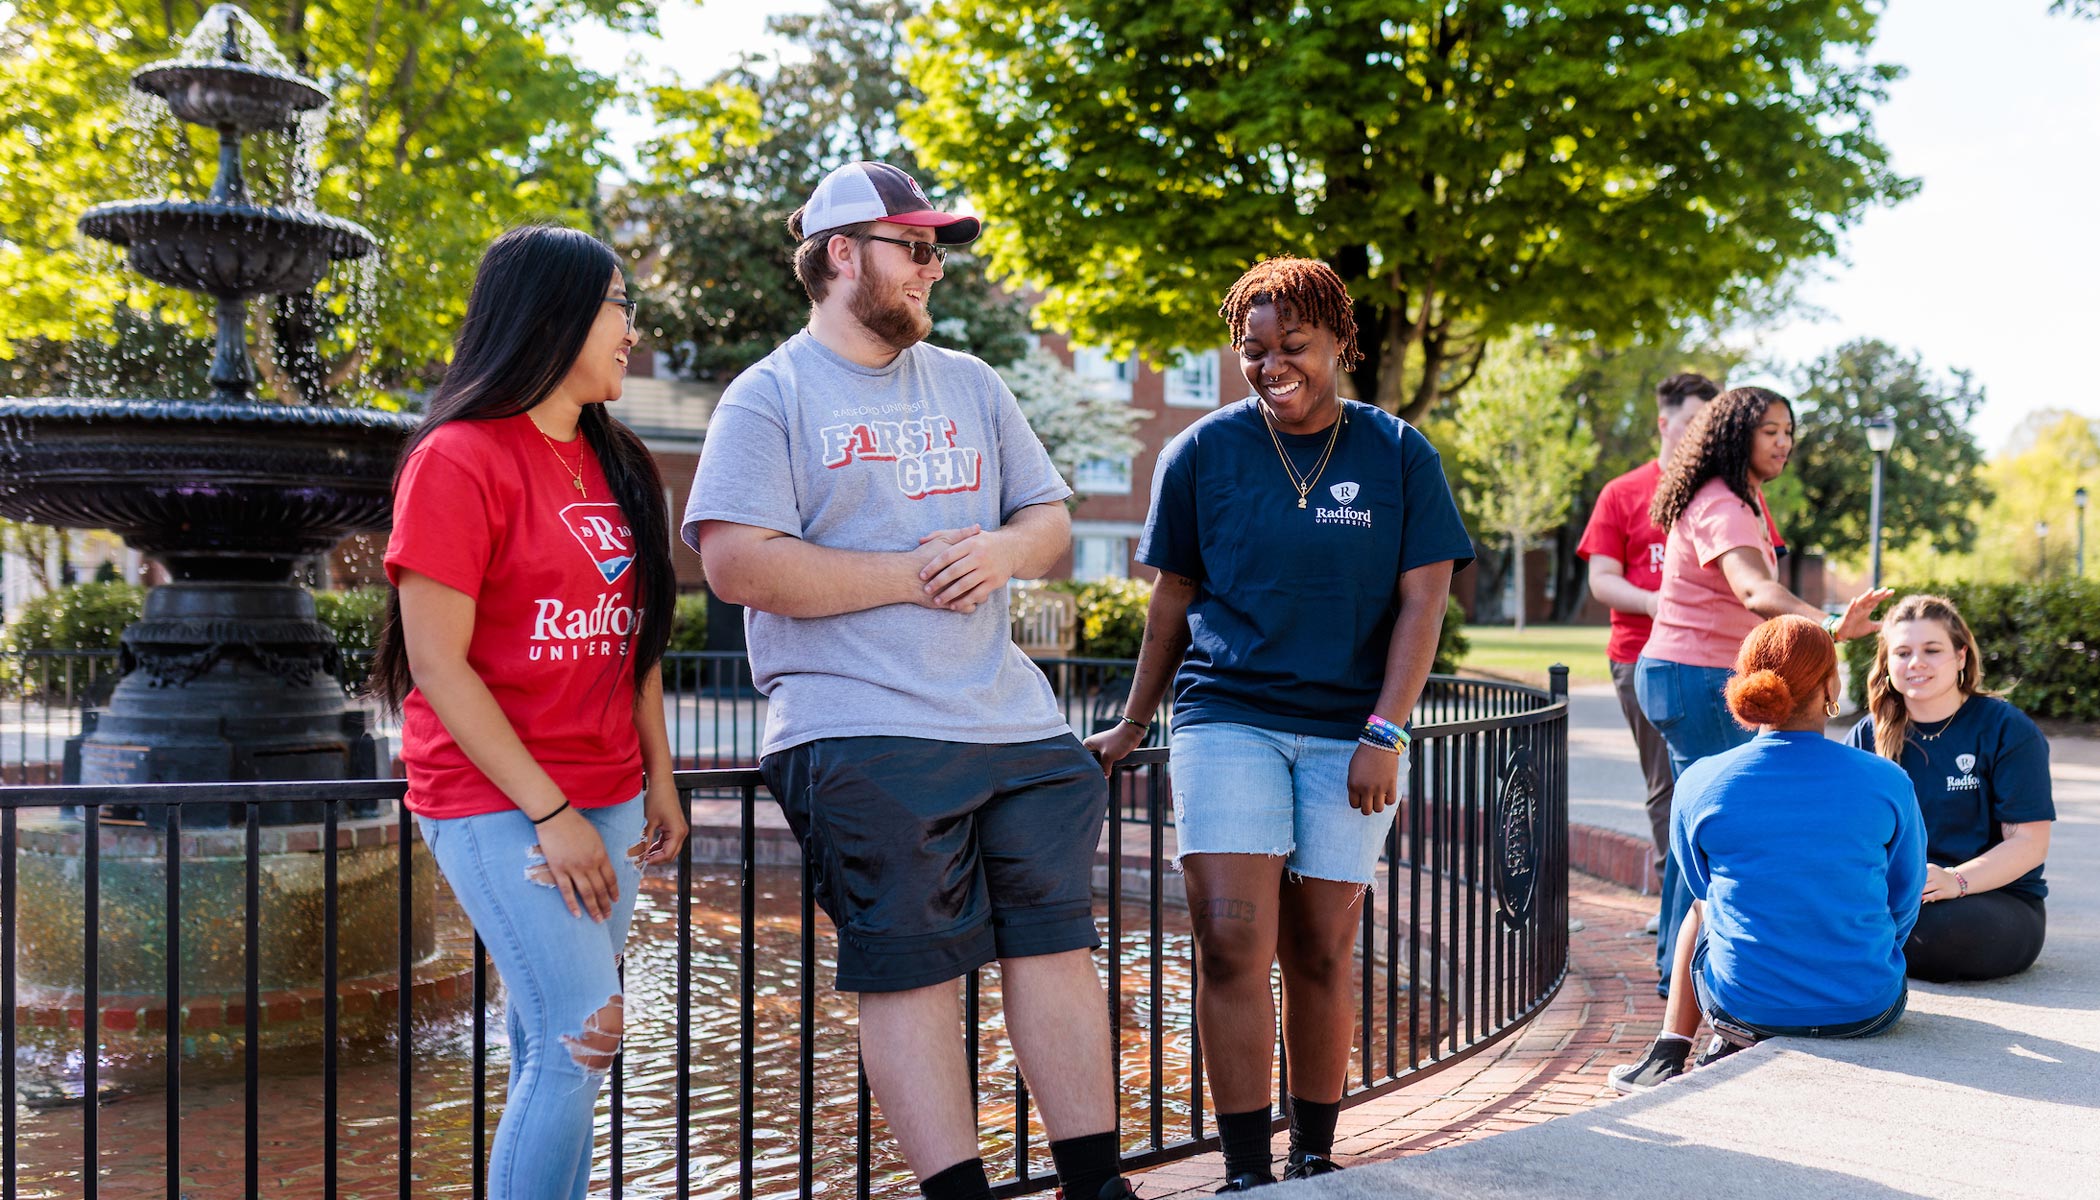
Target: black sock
<point>963,1181</point>
<point>1312,1127</point>
<point>1246,1142</point>
<point>1085,1164</point>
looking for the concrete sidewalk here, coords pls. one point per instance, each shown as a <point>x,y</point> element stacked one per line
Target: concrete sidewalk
<point>1983,1090</point>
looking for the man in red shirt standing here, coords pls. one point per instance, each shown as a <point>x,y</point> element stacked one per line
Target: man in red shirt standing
<point>1625,552</point>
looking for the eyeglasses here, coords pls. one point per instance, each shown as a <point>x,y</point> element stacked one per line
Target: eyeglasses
<point>921,252</point>
<point>626,303</point>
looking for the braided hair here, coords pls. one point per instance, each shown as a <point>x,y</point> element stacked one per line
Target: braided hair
<point>1304,290</point>
<point>1717,445</point>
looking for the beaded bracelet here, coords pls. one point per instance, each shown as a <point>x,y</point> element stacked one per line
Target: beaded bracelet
<point>1388,747</point>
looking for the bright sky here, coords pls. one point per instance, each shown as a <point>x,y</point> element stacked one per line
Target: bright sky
<point>1994,266</point>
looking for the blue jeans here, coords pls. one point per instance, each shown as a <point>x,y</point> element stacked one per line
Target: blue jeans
<point>1689,707</point>
<point>1865,1027</point>
<point>561,977</point>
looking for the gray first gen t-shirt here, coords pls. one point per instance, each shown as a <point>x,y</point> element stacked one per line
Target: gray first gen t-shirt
<point>858,458</point>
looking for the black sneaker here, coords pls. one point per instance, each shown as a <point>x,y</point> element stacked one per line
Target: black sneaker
<point>1247,1182</point>
<point>1717,1050</point>
<point>1305,1166</point>
<point>1663,1062</point>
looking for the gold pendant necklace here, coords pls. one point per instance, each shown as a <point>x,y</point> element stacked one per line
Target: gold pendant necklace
<point>575,473</point>
<point>1303,485</point>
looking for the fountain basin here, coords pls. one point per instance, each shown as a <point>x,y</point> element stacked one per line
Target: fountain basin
<point>229,95</point>
<point>227,249</point>
<point>186,480</point>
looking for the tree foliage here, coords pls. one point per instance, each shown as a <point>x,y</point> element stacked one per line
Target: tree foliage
<point>1469,168</point>
<point>1519,447</point>
<point>735,156</point>
<point>451,122</point>
<point>1931,477</point>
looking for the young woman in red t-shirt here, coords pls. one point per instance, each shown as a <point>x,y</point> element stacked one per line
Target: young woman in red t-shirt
<point>531,565</point>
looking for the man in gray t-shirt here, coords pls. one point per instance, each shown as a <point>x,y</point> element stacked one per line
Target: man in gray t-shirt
<point>867,497</point>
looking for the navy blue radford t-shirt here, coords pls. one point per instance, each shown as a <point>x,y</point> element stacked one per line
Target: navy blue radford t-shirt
<point>1987,766</point>
<point>1294,607</point>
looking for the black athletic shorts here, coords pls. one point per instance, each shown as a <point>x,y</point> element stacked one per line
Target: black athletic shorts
<point>933,858</point>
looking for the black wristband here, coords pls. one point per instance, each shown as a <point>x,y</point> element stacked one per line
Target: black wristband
<point>550,816</point>
<point>1142,727</point>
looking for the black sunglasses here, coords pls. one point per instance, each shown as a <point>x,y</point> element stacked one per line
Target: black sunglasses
<point>628,304</point>
<point>921,252</point>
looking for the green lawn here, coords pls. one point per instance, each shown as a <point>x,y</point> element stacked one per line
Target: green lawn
<point>1501,651</point>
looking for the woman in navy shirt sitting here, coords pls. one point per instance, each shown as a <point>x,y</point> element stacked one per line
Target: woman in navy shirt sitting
<point>1982,773</point>
<point>1805,859</point>
<point>1305,546</point>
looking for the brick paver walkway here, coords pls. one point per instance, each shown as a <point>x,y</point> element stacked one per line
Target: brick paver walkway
<point>1605,1014</point>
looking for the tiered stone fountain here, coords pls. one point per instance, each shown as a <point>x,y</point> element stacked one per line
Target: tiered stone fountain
<point>229,677</point>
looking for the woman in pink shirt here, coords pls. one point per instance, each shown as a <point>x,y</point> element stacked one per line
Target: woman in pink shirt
<point>1719,582</point>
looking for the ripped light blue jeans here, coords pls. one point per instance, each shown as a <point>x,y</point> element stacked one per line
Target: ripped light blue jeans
<point>561,975</point>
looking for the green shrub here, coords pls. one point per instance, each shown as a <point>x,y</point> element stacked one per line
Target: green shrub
<point>353,615</point>
<point>1451,645</point>
<point>689,624</point>
<point>2039,642</point>
<point>1111,616</point>
<point>84,616</point>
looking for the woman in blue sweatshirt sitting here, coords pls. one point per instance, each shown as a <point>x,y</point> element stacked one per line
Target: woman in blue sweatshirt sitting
<point>1806,859</point>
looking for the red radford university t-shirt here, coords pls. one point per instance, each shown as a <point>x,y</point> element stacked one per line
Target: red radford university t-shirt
<point>487,508</point>
<point>1619,528</point>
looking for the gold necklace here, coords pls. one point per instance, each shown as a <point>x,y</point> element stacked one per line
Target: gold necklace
<point>575,472</point>
<point>1303,485</point>
<point>1944,725</point>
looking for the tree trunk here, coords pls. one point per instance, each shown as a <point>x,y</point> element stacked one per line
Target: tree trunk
<point>1516,555</point>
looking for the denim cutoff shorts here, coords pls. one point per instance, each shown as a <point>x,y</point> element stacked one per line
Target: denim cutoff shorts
<point>1239,789</point>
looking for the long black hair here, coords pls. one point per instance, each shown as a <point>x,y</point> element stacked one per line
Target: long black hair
<point>1717,445</point>
<point>536,295</point>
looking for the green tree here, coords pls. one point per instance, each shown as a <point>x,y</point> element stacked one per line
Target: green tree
<point>1469,168</point>
<point>735,156</point>
<point>1931,477</point>
<point>1520,448</point>
<point>451,122</point>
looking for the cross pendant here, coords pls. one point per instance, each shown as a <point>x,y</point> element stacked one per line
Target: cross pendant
<point>579,487</point>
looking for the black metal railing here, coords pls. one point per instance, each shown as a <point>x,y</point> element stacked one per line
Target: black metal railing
<point>738,1076</point>
<point>714,715</point>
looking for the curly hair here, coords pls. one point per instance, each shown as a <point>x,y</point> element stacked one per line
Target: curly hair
<point>1891,717</point>
<point>1302,289</point>
<point>1716,445</point>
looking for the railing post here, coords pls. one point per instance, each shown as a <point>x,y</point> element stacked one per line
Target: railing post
<point>1557,676</point>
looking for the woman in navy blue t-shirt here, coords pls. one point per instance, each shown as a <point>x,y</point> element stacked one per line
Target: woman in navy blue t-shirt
<point>1981,769</point>
<point>1305,546</point>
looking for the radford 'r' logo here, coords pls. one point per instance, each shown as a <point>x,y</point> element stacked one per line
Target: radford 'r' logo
<point>1344,492</point>
<point>1965,762</point>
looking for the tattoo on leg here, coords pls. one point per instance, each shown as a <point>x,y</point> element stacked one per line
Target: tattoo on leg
<point>1227,910</point>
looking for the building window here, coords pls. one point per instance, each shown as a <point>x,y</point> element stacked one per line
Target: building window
<point>1192,379</point>
<point>1105,376</point>
<point>1098,476</point>
<point>1096,556</point>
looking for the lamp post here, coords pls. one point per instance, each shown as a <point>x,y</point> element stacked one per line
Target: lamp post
<point>1881,435</point>
<point>2078,502</point>
<point>2041,541</point>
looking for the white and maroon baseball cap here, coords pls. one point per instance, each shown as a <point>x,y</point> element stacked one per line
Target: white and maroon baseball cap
<point>873,191</point>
